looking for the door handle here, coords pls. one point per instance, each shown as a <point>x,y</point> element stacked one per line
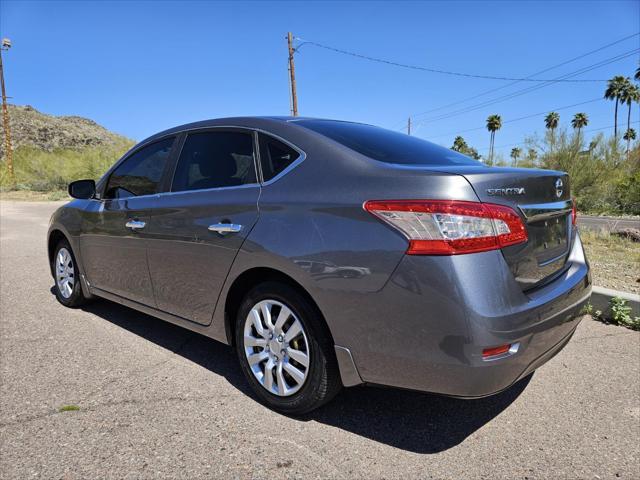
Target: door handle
<point>135,224</point>
<point>224,228</point>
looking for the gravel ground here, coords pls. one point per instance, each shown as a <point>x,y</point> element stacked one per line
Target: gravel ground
<point>157,401</point>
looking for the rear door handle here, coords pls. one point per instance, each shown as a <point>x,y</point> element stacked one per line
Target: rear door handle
<point>224,228</point>
<point>135,224</point>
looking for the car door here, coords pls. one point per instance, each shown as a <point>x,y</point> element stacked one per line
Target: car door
<point>114,240</point>
<point>200,224</point>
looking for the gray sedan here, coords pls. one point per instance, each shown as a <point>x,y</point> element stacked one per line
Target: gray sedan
<point>332,254</point>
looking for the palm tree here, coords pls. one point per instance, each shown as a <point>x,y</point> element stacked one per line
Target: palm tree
<point>613,91</point>
<point>494,123</point>
<point>637,75</point>
<point>629,94</point>
<point>629,135</point>
<point>459,145</point>
<point>515,154</point>
<point>551,122</point>
<point>579,121</point>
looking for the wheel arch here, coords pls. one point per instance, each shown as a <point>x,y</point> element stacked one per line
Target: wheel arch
<point>55,236</point>
<point>254,276</point>
<point>249,279</point>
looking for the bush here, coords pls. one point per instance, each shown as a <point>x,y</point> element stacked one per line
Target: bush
<point>604,179</point>
<point>621,314</point>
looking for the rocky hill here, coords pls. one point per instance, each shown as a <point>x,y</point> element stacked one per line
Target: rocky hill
<point>29,127</point>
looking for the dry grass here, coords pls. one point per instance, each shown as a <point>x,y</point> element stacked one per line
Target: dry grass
<point>615,261</point>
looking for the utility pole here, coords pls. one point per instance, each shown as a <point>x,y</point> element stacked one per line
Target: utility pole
<point>409,126</point>
<point>6,45</point>
<point>292,76</point>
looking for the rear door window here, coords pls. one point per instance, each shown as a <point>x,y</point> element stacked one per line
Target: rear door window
<point>215,160</point>
<point>141,173</point>
<point>275,156</point>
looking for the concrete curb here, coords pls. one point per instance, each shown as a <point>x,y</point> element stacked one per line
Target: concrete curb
<point>600,298</point>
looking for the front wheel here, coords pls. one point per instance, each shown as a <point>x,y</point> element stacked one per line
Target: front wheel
<point>67,277</point>
<point>285,350</point>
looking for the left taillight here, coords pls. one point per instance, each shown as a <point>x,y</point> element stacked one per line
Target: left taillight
<point>450,227</point>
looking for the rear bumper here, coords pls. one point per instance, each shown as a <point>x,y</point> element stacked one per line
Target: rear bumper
<point>427,328</point>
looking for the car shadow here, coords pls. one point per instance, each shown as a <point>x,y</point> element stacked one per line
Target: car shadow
<point>411,421</point>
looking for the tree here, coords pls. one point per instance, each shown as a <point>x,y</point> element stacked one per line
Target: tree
<point>613,91</point>
<point>637,75</point>
<point>460,145</point>
<point>629,135</point>
<point>494,123</point>
<point>515,154</point>
<point>551,122</point>
<point>579,121</point>
<point>629,94</point>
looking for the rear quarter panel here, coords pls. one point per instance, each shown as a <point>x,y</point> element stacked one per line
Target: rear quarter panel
<point>312,227</point>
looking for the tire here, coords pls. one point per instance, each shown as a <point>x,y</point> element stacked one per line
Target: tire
<point>321,375</point>
<point>68,293</point>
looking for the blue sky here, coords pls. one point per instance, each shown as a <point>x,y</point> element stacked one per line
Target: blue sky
<point>139,67</point>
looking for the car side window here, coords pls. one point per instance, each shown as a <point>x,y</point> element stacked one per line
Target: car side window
<point>141,173</point>
<point>215,160</point>
<point>275,156</point>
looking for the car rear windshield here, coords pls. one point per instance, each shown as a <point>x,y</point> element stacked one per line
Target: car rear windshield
<point>386,145</point>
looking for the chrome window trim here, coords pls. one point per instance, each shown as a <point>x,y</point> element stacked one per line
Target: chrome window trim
<point>200,190</point>
<point>254,132</point>
<point>251,130</point>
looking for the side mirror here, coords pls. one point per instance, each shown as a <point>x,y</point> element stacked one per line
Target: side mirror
<point>82,189</point>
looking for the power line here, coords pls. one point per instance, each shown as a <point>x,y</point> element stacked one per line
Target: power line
<point>519,118</point>
<point>529,89</point>
<point>458,102</point>
<point>427,69</point>
<point>524,91</point>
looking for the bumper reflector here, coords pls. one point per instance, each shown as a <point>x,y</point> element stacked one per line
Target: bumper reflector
<point>494,353</point>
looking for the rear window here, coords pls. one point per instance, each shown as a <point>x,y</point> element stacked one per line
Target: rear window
<point>386,145</point>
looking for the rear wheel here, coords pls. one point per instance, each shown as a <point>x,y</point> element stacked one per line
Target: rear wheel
<point>285,350</point>
<point>65,270</point>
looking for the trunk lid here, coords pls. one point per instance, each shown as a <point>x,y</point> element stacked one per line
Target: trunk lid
<point>542,198</point>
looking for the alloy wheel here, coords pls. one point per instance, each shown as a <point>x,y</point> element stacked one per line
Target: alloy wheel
<point>276,348</point>
<point>65,273</point>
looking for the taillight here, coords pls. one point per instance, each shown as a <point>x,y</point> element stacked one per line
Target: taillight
<point>450,227</point>
<point>574,212</point>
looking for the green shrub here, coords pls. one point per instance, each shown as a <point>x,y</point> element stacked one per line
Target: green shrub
<point>604,179</point>
<point>620,314</point>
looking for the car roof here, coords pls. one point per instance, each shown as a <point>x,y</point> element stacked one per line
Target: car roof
<point>247,121</point>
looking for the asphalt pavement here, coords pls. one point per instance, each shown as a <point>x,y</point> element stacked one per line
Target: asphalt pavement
<point>157,401</point>
<point>609,224</point>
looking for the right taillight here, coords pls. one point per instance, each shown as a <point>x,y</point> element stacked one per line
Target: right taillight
<point>574,212</point>
<point>450,227</point>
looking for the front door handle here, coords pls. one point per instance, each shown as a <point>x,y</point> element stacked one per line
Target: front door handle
<point>135,224</point>
<point>224,228</point>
